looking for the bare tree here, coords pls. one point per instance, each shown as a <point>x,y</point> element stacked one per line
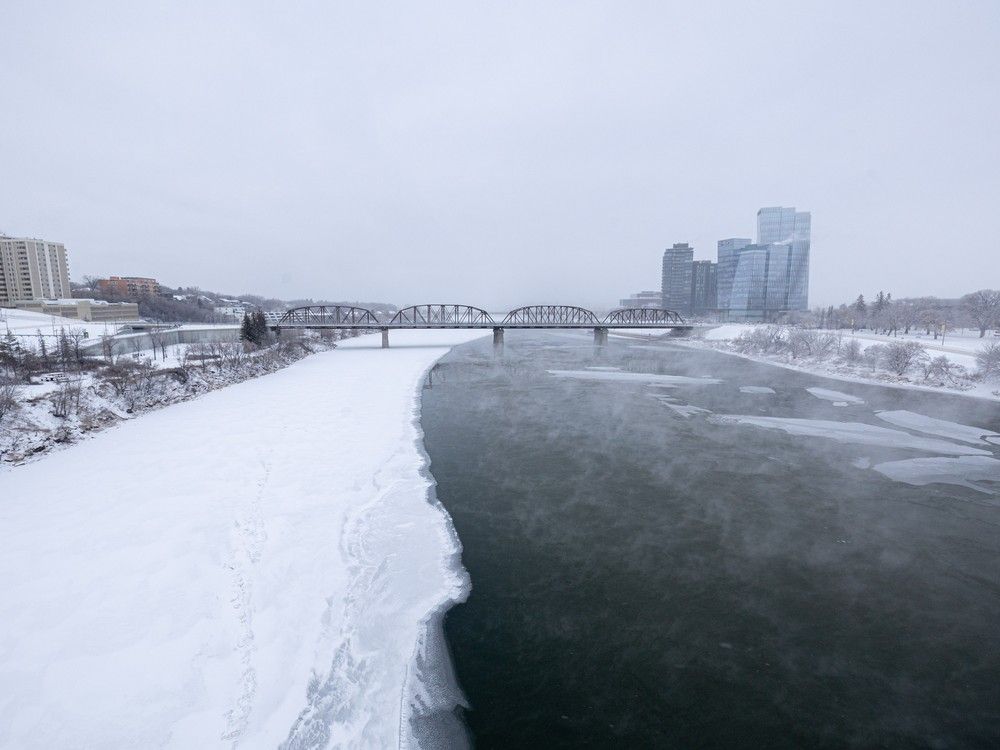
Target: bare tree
<point>851,351</point>
<point>9,392</point>
<point>66,398</point>
<point>900,356</point>
<point>873,355</point>
<point>983,308</point>
<point>988,361</point>
<point>943,370</point>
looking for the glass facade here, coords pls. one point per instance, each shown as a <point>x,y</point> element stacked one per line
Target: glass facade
<point>676,279</point>
<point>728,257</point>
<point>757,280</point>
<point>703,286</point>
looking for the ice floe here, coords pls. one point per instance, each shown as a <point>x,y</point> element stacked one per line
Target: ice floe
<point>838,398</point>
<point>941,427</point>
<point>963,471</point>
<point>852,432</point>
<point>755,389</point>
<point>682,410</point>
<point>633,377</point>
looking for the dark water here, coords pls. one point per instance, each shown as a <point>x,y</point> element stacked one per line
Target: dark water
<point>641,579</point>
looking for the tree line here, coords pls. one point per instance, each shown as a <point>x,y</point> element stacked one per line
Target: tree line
<point>883,314</point>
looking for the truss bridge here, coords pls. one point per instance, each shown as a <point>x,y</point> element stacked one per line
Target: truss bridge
<point>347,317</point>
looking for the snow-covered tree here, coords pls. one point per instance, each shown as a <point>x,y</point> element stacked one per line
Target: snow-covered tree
<point>988,361</point>
<point>983,309</point>
<point>900,356</point>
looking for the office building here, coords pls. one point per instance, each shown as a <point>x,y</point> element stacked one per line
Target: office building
<point>759,281</point>
<point>728,258</point>
<point>642,299</point>
<point>704,280</point>
<point>788,232</point>
<point>32,269</point>
<point>677,276</point>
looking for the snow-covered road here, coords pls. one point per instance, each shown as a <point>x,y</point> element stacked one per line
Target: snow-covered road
<point>252,568</point>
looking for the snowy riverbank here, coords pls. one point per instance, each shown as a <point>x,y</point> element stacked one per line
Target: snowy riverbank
<point>960,352</point>
<point>253,568</point>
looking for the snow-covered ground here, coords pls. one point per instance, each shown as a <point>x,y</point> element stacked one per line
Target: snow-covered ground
<point>960,348</point>
<point>259,567</point>
<point>24,323</point>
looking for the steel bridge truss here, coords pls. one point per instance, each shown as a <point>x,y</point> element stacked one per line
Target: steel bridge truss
<point>467,316</point>
<point>637,317</point>
<point>442,316</point>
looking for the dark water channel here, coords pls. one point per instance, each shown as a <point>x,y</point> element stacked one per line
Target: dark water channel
<point>648,578</point>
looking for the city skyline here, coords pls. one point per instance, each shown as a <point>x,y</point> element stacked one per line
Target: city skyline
<point>442,151</point>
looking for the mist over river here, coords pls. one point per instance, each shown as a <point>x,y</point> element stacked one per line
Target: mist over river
<point>672,547</point>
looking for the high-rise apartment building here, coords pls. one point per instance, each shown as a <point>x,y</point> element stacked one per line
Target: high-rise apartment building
<point>676,279</point>
<point>704,280</point>
<point>32,269</point>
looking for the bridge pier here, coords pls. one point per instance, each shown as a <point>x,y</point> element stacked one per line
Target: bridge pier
<point>385,338</point>
<point>498,340</point>
<point>600,336</point>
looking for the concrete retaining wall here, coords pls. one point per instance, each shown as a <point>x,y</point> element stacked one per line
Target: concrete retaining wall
<point>131,342</point>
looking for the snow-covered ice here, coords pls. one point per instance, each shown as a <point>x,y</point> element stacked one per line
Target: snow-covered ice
<point>759,389</point>
<point>634,377</point>
<point>728,331</point>
<point>964,471</point>
<point>940,427</point>
<point>851,432</point>
<point>837,397</point>
<point>681,410</point>
<point>256,567</point>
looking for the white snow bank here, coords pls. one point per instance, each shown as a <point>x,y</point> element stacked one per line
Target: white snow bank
<point>963,471</point>
<point>728,332</point>
<point>634,377</point>
<point>933,426</point>
<point>253,567</point>
<point>837,397</point>
<point>27,323</point>
<point>851,432</point>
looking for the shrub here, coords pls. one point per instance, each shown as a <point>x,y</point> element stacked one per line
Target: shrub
<point>852,351</point>
<point>873,355</point>
<point>9,392</point>
<point>988,362</point>
<point>943,369</point>
<point>761,340</point>
<point>900,356</point>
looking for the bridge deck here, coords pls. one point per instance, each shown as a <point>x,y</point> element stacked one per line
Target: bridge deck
<point>484,326</point>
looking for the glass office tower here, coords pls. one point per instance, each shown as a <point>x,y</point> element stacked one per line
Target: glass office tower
<point>787,231</point>
<point>676,280</point>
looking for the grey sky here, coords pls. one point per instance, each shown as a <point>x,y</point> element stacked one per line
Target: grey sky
<point>500,153</point>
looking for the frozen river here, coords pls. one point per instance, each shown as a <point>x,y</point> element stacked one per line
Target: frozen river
<point>676,548</point>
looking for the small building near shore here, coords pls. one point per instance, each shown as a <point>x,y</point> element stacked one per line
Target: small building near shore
<point>90,310</point>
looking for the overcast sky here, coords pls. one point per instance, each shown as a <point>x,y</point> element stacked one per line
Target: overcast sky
<point>500,153</point>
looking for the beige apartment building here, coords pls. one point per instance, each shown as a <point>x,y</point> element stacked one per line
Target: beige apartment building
<point>32,269</point>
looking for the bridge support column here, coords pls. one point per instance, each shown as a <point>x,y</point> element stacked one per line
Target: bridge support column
<point>385,338</point>
<point>600,336</point>
<point>498,340</point>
